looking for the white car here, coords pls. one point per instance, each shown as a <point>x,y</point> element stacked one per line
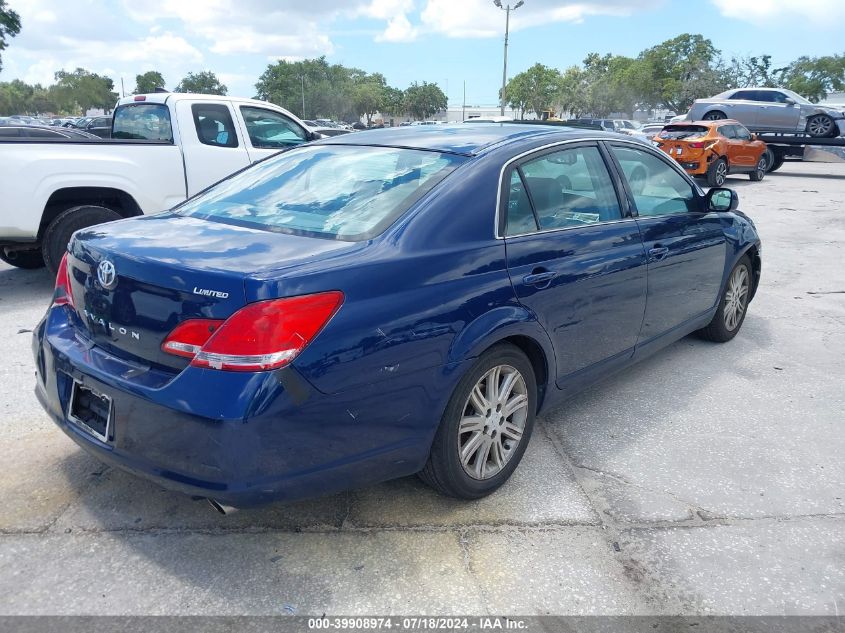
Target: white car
<point>165,147</point>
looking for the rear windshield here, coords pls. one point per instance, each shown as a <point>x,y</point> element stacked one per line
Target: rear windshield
<point>146,121</point>
<point>332,191</point>
<point>683,132</point>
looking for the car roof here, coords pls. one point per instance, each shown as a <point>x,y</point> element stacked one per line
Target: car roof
<point>463,138</point>
<point>715,123</point>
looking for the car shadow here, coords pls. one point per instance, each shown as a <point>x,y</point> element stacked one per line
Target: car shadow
<point>18,285</point>
<point>128,507</point>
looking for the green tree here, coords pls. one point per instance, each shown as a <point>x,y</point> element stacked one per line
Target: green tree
<point>367,99</point>
<point>10,25</point>
<point>745,72</point>
<point>536,89</point>
<point>148,82</point>
<point>517,92</point>
<point>204,82</point>
<point>573,91</point>
<point>814,77</point>
<point>85,89</point>
<point>15,97</point>
<point>681,70</point>
<point>424,100</point>
<point>393,101</point>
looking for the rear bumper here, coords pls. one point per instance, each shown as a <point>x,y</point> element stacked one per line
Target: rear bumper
<point>241,438</point>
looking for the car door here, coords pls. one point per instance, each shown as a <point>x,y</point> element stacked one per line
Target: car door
<point>211,146</point>
<point>744,150</point>
<point>743,107</point>
<point>267,132</point>
<point>575,258</point>
<point>777,114</point>
<point>685,245</point>
<point>737,152</point>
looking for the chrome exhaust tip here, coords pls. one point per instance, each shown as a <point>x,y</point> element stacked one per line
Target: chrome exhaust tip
<point>221,508</point>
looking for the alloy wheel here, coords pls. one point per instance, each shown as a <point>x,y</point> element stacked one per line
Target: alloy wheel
<point>736,297</point>
<point>493,422</point>
<point>820,126</point>
<point>714,116</point>
<point>721,173</point>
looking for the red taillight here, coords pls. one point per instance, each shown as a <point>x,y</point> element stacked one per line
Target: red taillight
<point>260,336</point>
<point>696,144</point>
<point>189,336</point>
<point>62,295</point>
<point>140,98</point>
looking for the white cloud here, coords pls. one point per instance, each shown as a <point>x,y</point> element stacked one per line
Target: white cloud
<point>479,18</point>
<point>399,29</point>
<point>817,12</point>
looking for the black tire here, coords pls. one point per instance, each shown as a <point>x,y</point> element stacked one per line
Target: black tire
<point>717,172</point>
<point>719,329</point>
<point>27,260</point>
<point>444,470</point>
<point>821,126</point>
<point>715,115</point>
<point>58,233</point>
<point>760,172</point>
<point>777,163</point>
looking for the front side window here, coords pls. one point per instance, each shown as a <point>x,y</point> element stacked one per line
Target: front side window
<point>341,192</point>
<point>657,188</point>
<point>147,121</point>
<point>268,129</point>
<point>214,125</point>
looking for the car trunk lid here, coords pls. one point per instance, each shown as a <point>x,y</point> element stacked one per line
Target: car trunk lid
<point>134,281</point>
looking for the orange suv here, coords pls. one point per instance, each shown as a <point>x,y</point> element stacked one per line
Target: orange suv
<point>714,149</point>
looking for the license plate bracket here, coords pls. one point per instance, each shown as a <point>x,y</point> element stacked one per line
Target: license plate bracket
<point>90,411</point>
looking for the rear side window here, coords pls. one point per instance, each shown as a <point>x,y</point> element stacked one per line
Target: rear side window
<point>214,125</point>
<point>683,132</point>
<point>520,215</point>
<point>147,121</point>
<point>340,192</point>
<point>268,129</point>
<point>571,188</point>
<point>727,131</point>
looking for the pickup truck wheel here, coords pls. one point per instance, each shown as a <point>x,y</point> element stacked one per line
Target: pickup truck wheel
<point>28,260</point>
<point>58,233</point>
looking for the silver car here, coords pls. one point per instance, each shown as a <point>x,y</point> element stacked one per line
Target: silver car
<point>770,110</point>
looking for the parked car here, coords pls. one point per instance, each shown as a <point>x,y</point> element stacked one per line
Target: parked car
<point>164,148</point>
<point>31,131</point>
<point>98,126</point>
<point>330,131</point>
<point>714,149</point>
<point>770,110</point>
<point>605,124</point>
<point>489,119</point>
<point>649,131</point>
<point>307,325</point>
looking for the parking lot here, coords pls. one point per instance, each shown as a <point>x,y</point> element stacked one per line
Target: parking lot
<point>708,479</point>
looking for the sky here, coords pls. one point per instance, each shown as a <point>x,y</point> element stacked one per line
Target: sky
<point>448,42</point>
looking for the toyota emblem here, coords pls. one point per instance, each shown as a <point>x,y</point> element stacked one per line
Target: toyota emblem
<point>106,274</point>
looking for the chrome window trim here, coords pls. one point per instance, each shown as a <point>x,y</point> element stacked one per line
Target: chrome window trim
<point>594,139</point>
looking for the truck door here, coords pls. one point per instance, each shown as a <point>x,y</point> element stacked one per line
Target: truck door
<point>210,142</point>
<point>268,132</point>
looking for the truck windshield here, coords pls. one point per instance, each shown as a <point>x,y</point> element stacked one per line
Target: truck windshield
<point>339,192</point>
<point>146,121</point>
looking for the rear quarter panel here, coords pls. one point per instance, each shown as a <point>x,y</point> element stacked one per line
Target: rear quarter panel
<point>31,172</point>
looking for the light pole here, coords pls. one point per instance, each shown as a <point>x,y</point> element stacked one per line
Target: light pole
<point>507,9</point>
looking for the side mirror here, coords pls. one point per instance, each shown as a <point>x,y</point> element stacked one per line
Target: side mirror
<point>721,200</point>
<point>790,102</point>
<point>753,137</point>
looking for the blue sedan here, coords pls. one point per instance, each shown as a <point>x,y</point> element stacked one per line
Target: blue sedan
<point>382,304</point>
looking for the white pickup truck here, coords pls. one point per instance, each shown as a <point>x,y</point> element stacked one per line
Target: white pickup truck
<point>165,147</point>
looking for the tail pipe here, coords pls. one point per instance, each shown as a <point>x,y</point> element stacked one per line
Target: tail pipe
<point>222,508</point>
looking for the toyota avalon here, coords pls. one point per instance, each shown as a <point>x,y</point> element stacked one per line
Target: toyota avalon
<point>381,304</point>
